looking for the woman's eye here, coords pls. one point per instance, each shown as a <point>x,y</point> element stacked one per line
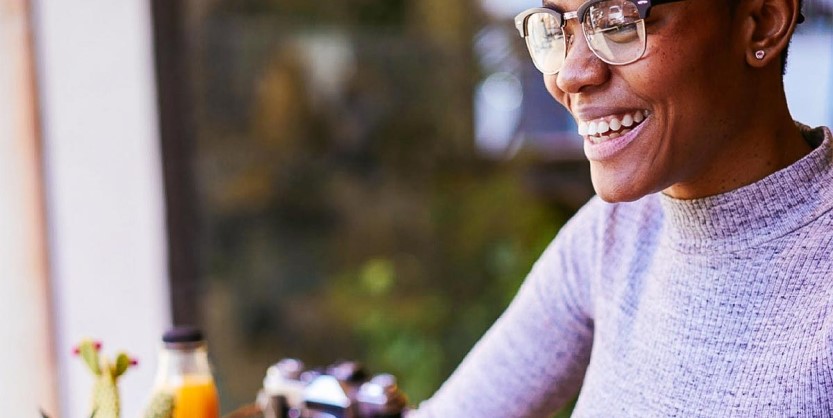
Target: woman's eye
<point>621,33</point>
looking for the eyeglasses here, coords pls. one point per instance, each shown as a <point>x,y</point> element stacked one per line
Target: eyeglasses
<point>614,30</point>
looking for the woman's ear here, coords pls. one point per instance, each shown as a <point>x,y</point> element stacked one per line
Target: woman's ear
<point>771,24</point>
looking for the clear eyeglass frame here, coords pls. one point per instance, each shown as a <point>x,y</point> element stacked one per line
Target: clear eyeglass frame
<point>621,15</point>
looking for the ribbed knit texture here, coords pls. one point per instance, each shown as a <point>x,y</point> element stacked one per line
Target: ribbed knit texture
<point>715,307</point>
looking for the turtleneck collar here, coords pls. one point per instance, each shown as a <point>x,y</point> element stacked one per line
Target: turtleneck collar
<point>762,211</point>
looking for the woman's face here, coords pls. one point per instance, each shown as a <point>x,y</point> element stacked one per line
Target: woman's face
<point>676,109</point>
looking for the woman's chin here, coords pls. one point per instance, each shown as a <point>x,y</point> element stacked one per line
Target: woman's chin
<point>615,188</point>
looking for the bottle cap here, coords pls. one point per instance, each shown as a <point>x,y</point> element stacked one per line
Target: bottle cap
<point>183,337</point>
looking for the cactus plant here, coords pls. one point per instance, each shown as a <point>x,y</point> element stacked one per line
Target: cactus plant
<point>160,406</point>
<point>105,395</point>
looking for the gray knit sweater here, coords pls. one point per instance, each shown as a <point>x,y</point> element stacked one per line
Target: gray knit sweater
<point>715,307</point>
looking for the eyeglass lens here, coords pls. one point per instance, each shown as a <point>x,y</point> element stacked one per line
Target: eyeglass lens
<point>546,42</point>
<point>613,29</point>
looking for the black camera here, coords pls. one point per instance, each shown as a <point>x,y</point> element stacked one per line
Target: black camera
<point>342,390</point>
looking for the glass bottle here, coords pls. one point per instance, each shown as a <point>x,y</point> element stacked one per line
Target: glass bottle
<point>184,372</point>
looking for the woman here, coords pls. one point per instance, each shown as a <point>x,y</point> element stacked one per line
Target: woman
<point>699,282</point>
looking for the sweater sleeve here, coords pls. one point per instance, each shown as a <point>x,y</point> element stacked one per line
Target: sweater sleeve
<point>533,359</point>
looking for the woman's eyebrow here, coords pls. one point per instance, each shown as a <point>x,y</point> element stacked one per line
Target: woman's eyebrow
<point>550,4</point>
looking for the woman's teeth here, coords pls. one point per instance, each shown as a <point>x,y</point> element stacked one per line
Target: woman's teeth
<point>602,129</point>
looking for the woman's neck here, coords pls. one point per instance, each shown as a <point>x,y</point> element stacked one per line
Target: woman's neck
<point>767,140</point>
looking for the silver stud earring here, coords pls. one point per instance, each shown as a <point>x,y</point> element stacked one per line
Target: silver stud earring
<point>760,54</point>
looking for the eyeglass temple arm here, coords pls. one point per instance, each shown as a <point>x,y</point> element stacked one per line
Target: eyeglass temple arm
<point>644,6</point>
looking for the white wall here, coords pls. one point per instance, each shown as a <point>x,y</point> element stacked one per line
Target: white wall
<point>809,78</point>
<point>104,188</point>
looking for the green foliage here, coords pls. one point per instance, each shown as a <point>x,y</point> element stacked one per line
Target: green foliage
<point>420,324</point>
<point>351,216</point>
<point>362,12</point>
<point>567,411</point>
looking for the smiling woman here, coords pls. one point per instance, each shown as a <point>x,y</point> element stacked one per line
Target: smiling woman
<point>696,283</point>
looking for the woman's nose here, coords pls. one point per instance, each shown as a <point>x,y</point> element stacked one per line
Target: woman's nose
<point>582,68</point>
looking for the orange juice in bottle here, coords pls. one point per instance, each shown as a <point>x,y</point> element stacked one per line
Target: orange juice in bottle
<point>184,372</point>
<point>196,397</point>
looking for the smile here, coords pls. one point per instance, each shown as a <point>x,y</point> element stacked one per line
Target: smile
<point>611,126</point>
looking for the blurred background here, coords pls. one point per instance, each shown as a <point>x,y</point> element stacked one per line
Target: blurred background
<point>364,179</point>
